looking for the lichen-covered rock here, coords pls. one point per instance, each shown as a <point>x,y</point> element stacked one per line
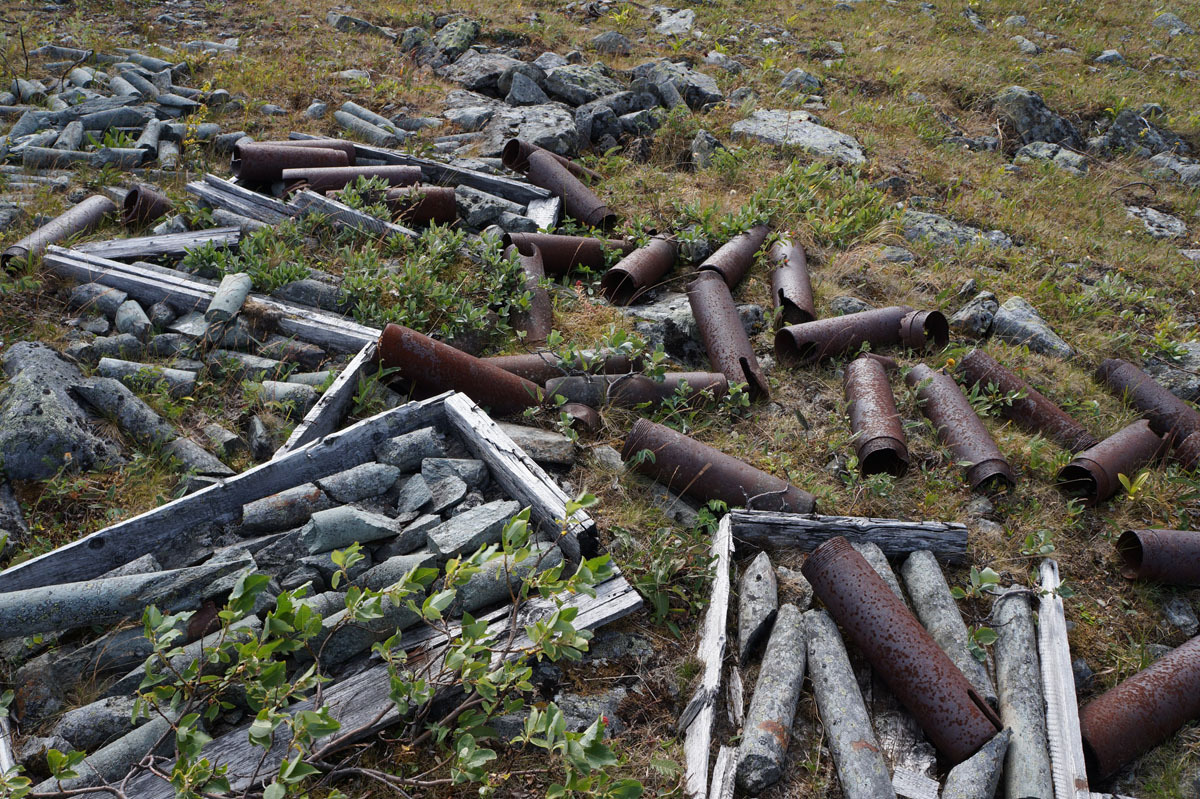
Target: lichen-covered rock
<point>1181,376</point>
<point>1017,322</point>
<point>578,84</point>
<point>801,80</point>
<point>799,129</point>
<point>1157,224</point>
<point>478,72</point>
<point>471,529</point>
<point>1136,133</point>
<point>975,318</point>
<point>945,232</point>
<point>548,125</point>
<point>697,89</point>
<point>341,526</point>
<point>455,37</point>
<point>1028,115</point>
<point>611,42</point>
<point>1059,156</point>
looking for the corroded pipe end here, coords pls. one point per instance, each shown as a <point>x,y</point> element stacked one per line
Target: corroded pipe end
<point>991,476</point>
<point>582,416</point>
<point>1129,547</point>
<point>883,455</point>
<point>143,204</point>
<point>919,328</point>
<point>515,155</point>
<point>1094,474</point>
<point>826,555</point>
<point>1187,452</point>
<point>637,439</point>
<point>1083,479</point>
<point>793,349</point>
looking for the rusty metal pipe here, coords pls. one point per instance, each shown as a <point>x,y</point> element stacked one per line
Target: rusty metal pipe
<point>1187,452</point>
<point>434,366</point>
<point>541,367</point>
<point>639,271</point>
<point>791,286</point>
<point>686,466</point>
<point>323,144</point>
<point>582,416</point>
<point>332,178</point>
<point>725,338</point>
<point>144,204</point>
<point>1165,556</point>
<point>957,720</point>
<point>1093,474</point>
<point>961,429</point>
<point>1033,412</point>
<point>561,254</point>
<point>1167,413</point>
<point>810,342</point>
<point>264,163</point>
<point>879,439</point>
<point>516,152</point>
<point>422,205</point>
<point>80,218</point>
<point>539,318</point>
<point>733,259</point>
<point>631,390</point>
<point>1141,712</point>
<point>579,201</point>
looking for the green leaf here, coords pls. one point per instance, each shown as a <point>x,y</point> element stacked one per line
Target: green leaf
<point>985,636</point>
<point>275,791</point>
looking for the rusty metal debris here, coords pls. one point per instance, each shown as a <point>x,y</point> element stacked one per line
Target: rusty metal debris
<point>961,429</point>
<point>1141,712</point>
<point>686,466</point>
<point>631,390</point>
<point>639,271</point>
<point>516,153</point>
<point>561,254</point>
<point>1165,556</point>
<point>422,205</point>
<point>144,204</point>
<point>433,366</point>
<point>544,169</point>
<point>1168,414</point>
<point>879,439</point>
<point>541,367</point>
<point>539,318</point>
<point>733,259</point>
<point>810,342</point>
<point>332,178</point>
<point>264,163</point>
<point>725,338</point>
<point>77,219</point>
<point>321,143</point>
<point>1032,412</point>
<point>582,416</point>
<point>957,720</point>
<point>791,286</point>
<point>1093,474</point>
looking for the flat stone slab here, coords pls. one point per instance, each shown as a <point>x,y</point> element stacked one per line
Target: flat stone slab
<point>472,472</point>
<point>543,446</point>
<point>339,527</point>
<point>472,529</point>
<point>1018,322</point>
<point>799,129</point>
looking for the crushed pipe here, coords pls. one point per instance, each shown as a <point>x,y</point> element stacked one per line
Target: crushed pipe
<point>631,390</point>
<point>733,259</point>
<point>538,319</point>
<point>791,285</point>
<point>639,271</point>
<point>516,152</point>
<point>1093,475</point>
<point>541,367</point>
<point>144,204</point>
<point>725,338</point>
<point>810,342</point>
<point>78,219</point>
<point>258,163</point>
<point>1165,556</point>
<point>879,439</point>
<point>561,254</point>
<point>582,416</point>
<point>579,201</point>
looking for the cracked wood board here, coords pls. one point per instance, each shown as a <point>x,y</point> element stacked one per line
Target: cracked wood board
<point>1067,765</point>
<point>804,531</point>
<point>167,244</point>
<point>327,415</point>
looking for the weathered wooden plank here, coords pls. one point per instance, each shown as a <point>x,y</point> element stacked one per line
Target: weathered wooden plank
<point>773,530</point>
<point>710,652</point>
<point>147,288</point>
<point>914,785</point>
<point>217,198</point>
<point>330,410</point>
<point>724,773</point>
<point>358,701</point>
<point>7,760</point>
<point>309,202</point>
<point>167,244</point>
<point>158,531</point>
<point>1067,764</point>
<point>269,205</point>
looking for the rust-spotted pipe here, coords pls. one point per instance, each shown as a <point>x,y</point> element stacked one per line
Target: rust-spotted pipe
<point>265,163</point>
<point>561,254</point>
<point>1163,556</point>
<point>143,204</point>
<point>433,366</point>
<point>333,178</point>
<point>686,466</point>
<point>538,319</point>
<point>1168,414</point>
<point>733,259</point>
<point>1187,452</point>
<point>791,286</point>
<point>579,202</point>
<point>961,429</point>
<point>1093,475</point>
<point>323,144</point>
<point>879,439</point>
<point>543,366</point>
<point>1032,412</point>
<point>810,342</point>
<point>1141,712</point>
<point>422,205</point>
<point>631,390</point>
<point>79,218</point>
<point>516,153</point>
<point>953,715</point>
<point>638,272</point>
<point>725,338</point>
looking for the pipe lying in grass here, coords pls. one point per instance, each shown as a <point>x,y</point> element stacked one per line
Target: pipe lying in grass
<point>1167,414</point>
<point>725,338</point>
<point>144,204</point>
<point>879,440</point>
<point>516,153</point>
<point>423,205</point>
<point>79,219</point>
<point>538,319</point>
<point>1164,556</point>
<point>961,429</point>
<point>631,390</point>
<point>561,254</point>
<point>346,147</point>
<point>259,163</point>
<point>1032,412</point>
<point>791,286</point>
<point>433,367</point>
<point>541,367</point>
<point>733,259</point>
<point>639,271</point>
<point>810,342</point>
<point>333,178</point>
<point>688,467</point>
<point>1094,474</point>
<point>545,169</point>
<point>955,717</point>
<point>1141,712</point>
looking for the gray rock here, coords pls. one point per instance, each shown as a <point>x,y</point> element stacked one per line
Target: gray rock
<point>978,775</point>
<point>31,753</point>
<point>697,89</point>
<point>262,443</point>
<point>196,459</point>
<point>112,763</point>
<point>316,110</point>
<point>411,538</point>
<point>360,482</point>
<point>674,22</point>
<point>111,399</point>
<point>96,297</point>
<point>447,493</point>
<point>499,579</point>
<point>293,400</point>
<point>478,72</point>
<point>611,43</point>
<point>224,441</point>
<point>478,209</point>
<point>1016,21</point>
<point>391,571</point>
<point>515,223</point>
<point>1025,46</point>
<point>1181,377</point>
<point>670,322</point>
<point>97,325</point>
<point>472,472</point>
<point>548,61</point>
<point>414,495</point>
<point>1017,322</point>
<point>1059,156</point>
<point>608,458</point>
<point>896,255</point>
<point>243,364</point>
<point>972,16</point>
<point>1179,614</point>
<point>524,91</point>
<point>975,318</point>
<point>324,567</point>
<point>283,511</point>
<point>1158,224</point>
<point>758,602</point>
<point>716,58</point>
<point>639,123</point>
<point>454,38</point>
<point>798,129</point>
<point>471,118</point>
<point>1018,683</point>
<point>14,533</point>
<point>578,84</point>
<point>122,345</point>
<point>840,306</point>
<point>1028,115</point>
<point>353,75</point>
<point>531,71</point>
<point>180,382</point>
<point>947,233</point>
<point>92,726</point>
<point>348,24</point>
<point>1172,24</point>
<point>549,125</point>
<point>341,638</point>
<point>703,146</point>
<point>543,446</point>
<point>1110,57</point>
<point>581,711</point>
<point>161,314</point>
<point>465,533</point>
<point>1169,166</point>
<point>801,80</point>
<point>341,526</point>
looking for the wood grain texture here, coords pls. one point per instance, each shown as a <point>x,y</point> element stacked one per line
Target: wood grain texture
<point>1058,685</point>
<point>774,530</point>
<point>327,415</point>
<point>343,216</point>
<point>167,244</point>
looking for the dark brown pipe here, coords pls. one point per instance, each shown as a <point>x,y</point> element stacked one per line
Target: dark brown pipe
<point>1168,414</point>
<point>579,201</point>
<point>433,367</point>
<point>1187,452</point>
<point>422,205</point>
<point>791,286</point>
<point>1033,412</point>
<point>631,390</point>
<point>1164,556</point>
<point>543,366</point>
<point>144,204</point>
<point>323,179</point>
<point>538,319</point>
<point>79,218</point>
<point>561,254</point>
<point>879,438</point>
<point>686,466</point>
<point>1141,712</point>
<point>725,339</point>
<point>265,163</point>
<point>323,144</point>
<point>957,719</point>
<point>516,152</point>
<point>733,259</point>
<point>639,271</point>
<point>1093,474</point>
<point>961,429</point>
<point>582,416</point>
<point>810,342</point>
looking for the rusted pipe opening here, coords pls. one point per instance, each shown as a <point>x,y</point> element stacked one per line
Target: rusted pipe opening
<point>918,328</point>
<point>882,456</point>
<point>790,350</point>
<point>1076,480</point>
<point>619,287</point>
<point>1129,547</point>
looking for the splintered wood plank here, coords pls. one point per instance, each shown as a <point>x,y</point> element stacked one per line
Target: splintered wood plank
<point>342,215</point>
<point>1067,764</point>
<point>331,408</point>
<point>167,244</point>
<point>266,205</point>
<point>220,197</point>
<point>803,531</point>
